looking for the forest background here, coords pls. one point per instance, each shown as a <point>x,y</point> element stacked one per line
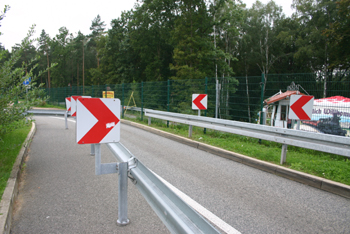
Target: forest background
<point>166,39</point>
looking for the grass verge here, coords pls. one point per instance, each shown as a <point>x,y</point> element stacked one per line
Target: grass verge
<point>329,166</point>
<point>9,150</point>
<point>45,105</point>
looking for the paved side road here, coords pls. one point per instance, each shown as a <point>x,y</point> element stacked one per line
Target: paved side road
<point>62,194</point>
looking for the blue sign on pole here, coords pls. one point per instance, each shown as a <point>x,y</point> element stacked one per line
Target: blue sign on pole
<point>27,81</point>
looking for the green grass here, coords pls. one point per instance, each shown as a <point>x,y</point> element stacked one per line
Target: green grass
<point>329,166</point>
<point>9,149</point>
<point>45,105</point>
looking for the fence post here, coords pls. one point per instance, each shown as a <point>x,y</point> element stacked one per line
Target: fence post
<point>216,98</point>
<point>123,100</point>
<point>262,102</point>
<point>142,101</point>
<point>206,92</point>
<point>262,97</point>
<point>168,100</point>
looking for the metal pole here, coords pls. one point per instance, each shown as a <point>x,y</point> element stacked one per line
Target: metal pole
<point>65,117</point>
<point>262,97</point>
<point>190,131</point>
<point>97,159</point>
<point>123,194</point>
<point>262,100</point>
<point>123,100</point>
<point>141,100</point>
<point>206,92</point>
<point>283,154</point>
<point>92,152</point>
<point>217,99</point>
<point>168,100</point>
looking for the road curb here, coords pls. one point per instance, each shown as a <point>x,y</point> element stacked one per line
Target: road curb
<point>11,191</point>
<point>304,178</point>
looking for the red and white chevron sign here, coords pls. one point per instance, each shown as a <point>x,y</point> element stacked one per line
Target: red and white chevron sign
<point>301,107</point>
<point>199,101</point>
<point>98,120</point>
<point>68,104</point>
<point>73,104</point>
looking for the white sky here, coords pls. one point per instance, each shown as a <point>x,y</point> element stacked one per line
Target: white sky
<point>75,15</point>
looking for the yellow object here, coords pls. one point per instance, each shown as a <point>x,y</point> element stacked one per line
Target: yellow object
<point>131,97</point>
<point>108,94</point>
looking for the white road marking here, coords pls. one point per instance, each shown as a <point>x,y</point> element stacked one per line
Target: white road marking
<point>200,209</point>
<point>71,120</point>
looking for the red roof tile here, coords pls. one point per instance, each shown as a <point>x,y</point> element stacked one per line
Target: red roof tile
<point>281,96</point>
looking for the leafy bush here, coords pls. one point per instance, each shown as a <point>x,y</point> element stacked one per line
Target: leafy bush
<point>12,86</point>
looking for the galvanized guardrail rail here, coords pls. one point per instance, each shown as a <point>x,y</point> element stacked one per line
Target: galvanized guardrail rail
<point>315,141</point>
<point>177,215</point>
<point>46,112</point>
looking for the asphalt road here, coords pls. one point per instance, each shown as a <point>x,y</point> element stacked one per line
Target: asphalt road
<point>61,194</point>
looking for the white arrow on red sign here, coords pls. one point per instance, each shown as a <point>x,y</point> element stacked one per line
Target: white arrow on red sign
<point>68,107</point>
<point>301,107</point>
<point>199,101</point>
<point>73,104</point>
<point>98,120</point>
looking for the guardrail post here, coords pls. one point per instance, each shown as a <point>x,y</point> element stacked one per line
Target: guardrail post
<point>122,194</point>
<point>97,159</point>
<point>65,117</point>
<point>190,131</point>
<point>283,154</point>
<point>92,152</point>
<point>149,121</point>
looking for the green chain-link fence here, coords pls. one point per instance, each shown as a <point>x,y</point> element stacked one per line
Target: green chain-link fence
<point>239,98</point>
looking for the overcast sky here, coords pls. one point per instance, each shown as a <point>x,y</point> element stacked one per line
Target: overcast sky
<point>75,15</point>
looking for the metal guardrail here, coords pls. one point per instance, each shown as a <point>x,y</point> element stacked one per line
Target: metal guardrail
<point>175,213</point>
<point>46,112</point>
<point>315,141</point>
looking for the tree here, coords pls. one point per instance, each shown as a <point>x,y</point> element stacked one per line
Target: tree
<point>11,86</point>
<point>150,38</point>
<point>60,54</point>
<point>44,41</point>
<point>315,16</point>
<point>338,35</point>
<point>98,29</point>
<point>194,53</point>
<point>263,21</point>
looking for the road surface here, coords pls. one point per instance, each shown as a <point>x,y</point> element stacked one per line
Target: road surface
<point>61,194</point>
